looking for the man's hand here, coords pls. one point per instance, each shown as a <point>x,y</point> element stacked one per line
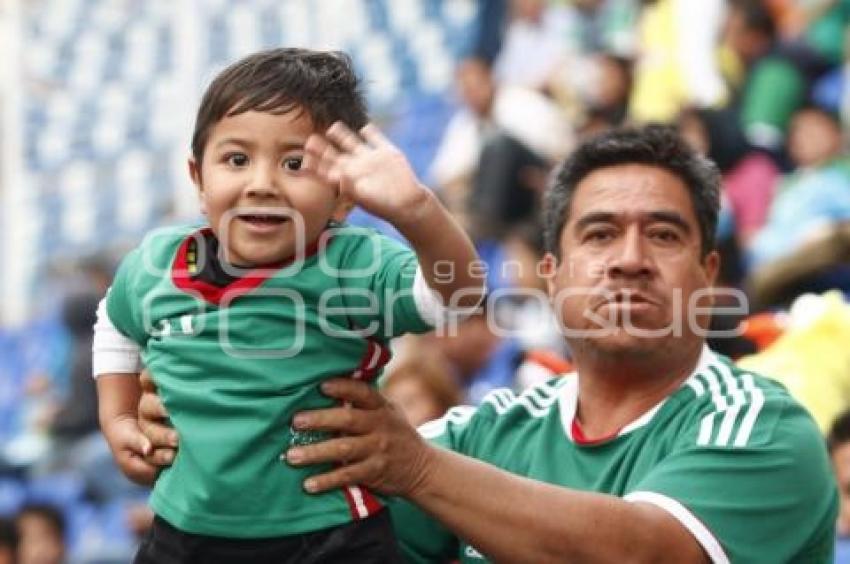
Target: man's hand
<point>153,422</point>
<point>369,170</point>
<point>378,448</point>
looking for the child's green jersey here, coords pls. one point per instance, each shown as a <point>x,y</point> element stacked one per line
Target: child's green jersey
<point>233,364</point>
<point>730,455</point>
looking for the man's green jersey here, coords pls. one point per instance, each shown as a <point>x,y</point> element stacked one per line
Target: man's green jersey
<point>234,363</point>
<point>730,455</point>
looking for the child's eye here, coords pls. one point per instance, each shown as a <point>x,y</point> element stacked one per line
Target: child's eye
<point>292,163</point>
<point>236,159</point>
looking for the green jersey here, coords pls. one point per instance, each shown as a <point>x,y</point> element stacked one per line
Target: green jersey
<point>233,364</point>
<point>730,455</point>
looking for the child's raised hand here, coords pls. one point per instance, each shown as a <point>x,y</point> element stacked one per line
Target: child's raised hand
<point>369,170</point>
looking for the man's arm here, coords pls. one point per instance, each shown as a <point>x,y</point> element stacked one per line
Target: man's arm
<point>506,517</point>
<point>374,174</point>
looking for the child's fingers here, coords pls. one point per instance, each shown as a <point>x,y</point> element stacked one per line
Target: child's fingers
<point>139,470</point>
<point>374,137</point>
<point>314,148</point>
<point>346,139</point>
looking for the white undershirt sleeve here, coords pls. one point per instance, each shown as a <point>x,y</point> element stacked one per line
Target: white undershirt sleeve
<point>429,304</point>
<point>113,353</point>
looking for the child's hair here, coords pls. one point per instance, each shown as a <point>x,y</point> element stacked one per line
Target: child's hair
<point>321,83</point>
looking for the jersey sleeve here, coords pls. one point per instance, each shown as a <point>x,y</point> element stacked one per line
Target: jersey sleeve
<point>378,276</point>
<point>421,537</point>
<point>122,307</point>
<point>767,496</point>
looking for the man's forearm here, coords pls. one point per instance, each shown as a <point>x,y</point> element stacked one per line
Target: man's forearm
<point>513,519</point>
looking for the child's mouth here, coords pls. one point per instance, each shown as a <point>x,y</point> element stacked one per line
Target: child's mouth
<point>264,220</point>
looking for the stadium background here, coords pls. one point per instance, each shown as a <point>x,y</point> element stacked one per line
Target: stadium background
<point>97,99</point>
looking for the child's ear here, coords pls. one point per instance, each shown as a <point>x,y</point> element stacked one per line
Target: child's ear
<point>195,175</point>
<point>344,205</point>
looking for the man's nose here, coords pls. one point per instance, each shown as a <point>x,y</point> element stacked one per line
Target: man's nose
<point>631,259</point>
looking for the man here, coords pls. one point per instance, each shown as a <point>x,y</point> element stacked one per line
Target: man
<point>654,450</point>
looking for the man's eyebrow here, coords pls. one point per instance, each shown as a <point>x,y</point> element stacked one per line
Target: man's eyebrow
<point>662,216</point>
<point>671,217</point>
<point>594,217</point>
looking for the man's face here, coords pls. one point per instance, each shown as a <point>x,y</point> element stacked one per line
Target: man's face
<point>631,263</point>
<point>259,201</point>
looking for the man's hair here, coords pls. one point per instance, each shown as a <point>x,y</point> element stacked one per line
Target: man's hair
<point>321,83</point>
<point>839,432</point>
<point>653,145</point>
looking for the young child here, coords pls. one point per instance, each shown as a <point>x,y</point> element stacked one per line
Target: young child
<point>241,321</point>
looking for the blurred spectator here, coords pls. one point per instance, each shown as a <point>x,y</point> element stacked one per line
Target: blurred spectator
<point>771,67</point>
<point>421,384</point>
<point>827,23</point>
<point>749,176</point>
<point>815,196</point>
<point>8,541</point>
<point>535,44</point>
<point>811,358</point>
<point>502,142</point>
<point>525,308</point>
<point>606,101</point>
<point>42,534</point>
<point>677,64</point>
<point>479,358</point>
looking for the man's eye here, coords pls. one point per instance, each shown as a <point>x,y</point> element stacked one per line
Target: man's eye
<point>597,236</point>
<point>665,236</point>
<point>237,159</point>
<point>292,163</point>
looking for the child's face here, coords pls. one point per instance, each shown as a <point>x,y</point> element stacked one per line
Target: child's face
<point>259,202</point>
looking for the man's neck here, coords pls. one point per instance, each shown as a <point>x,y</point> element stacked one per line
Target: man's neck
<point>615,390</point>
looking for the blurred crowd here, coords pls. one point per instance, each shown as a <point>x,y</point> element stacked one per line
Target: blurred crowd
<point>758,86</point>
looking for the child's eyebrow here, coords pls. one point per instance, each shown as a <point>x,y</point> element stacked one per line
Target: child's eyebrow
<point>286,145</point>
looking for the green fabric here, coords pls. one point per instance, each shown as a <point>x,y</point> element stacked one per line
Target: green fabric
<point>774,91</point>
<point>733,448</point>
<point>826,34</point>
<point>233,377</point>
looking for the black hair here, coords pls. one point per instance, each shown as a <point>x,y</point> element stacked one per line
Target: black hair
<point>756,16</point>
<point>8,534</point>
<point>321,83</point>
<point>839,432</point>
<point>654,145</point>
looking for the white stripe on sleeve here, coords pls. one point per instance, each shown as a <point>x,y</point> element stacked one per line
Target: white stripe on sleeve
<point>688,520</point>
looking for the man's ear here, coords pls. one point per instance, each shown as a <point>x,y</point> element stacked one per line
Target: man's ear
<point>195,175</point>
<point>711,264</point>
<point>548,267</point>
<point>344,205</point>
